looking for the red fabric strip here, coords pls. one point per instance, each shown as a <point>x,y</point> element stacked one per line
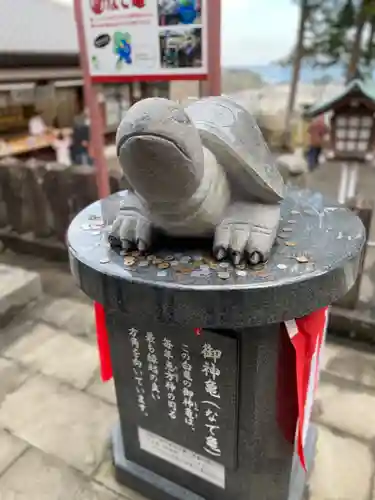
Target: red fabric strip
<point>287,403</point>
<point>299,343</point>
<point>306,335</point>
<point>103,343</point>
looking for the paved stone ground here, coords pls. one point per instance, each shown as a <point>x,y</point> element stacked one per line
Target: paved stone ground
<point>56,415</point>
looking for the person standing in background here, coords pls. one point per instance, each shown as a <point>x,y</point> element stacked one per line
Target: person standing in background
<point>61,145</point>
<point>37,127</point>
<point>80,147</point>
<point>317,131</point>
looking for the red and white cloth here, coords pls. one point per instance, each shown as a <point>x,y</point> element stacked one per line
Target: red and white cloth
<point>307,336</point>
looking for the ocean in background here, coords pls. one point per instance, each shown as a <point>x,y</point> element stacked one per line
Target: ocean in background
<point>273,73</point>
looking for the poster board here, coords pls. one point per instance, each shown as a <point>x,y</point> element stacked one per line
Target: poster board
<point>154,40</point>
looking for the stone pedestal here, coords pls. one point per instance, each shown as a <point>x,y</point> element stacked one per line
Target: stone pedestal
<point>203,367</point>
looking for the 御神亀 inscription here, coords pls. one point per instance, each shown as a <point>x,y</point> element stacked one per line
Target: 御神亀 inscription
<point>211,371</point>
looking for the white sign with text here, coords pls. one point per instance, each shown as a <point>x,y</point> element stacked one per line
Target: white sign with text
<point>151,39</point>
<point>179,456</point>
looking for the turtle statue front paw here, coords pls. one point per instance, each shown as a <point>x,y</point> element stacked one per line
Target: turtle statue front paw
<point>131,228</point>
<point>248,232</point>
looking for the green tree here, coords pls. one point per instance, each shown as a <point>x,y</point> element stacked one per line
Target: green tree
<point>307,21</point>
<point>346,36</point>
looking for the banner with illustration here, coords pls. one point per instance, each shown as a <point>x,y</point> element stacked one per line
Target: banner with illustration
<point>146,39</point>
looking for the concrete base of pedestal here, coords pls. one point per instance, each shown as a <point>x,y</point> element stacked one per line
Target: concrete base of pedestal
<point>155,487</point>
<point>149,484</point>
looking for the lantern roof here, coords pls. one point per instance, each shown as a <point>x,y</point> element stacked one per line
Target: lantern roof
<point>357,88</point>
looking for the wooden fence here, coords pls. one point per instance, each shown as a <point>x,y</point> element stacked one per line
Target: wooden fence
<point>38,200</point>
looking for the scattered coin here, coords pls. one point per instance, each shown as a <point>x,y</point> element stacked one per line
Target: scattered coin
<point>258,267</point>
<point>282,266</point>
<point>302,259</point>
<point>86,227</point>
<point>290,243</point>
<point>104,261</point>
<point>183,269</point>
<point>162,274</point>
<point>164,265</point>
<point>129,261</point>
<point>283,236</point>
<point>287,229</point>
<point>205,272</point>
<point>241,273</point>
<point>241,267</point>
<point>198,274</point>
<point>291,221</point>
<point>223,275</point>
<point>262,274</point>
<point>143,263</point>
<point>174,263</point>
<point>169,258</point>
<point>224,265</point>
<point>295,212</point>
<point>94,217</point>
<point>204,267</point>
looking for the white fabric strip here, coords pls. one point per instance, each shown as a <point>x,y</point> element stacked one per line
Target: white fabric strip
<point>291,328</point>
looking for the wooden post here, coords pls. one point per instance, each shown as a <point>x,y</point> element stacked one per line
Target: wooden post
<point>353,180</point>
<point>91,100</point>
<point>213,84</point>
<point>343,188</point>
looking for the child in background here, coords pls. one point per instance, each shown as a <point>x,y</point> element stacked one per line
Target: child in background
<point>61,145</point>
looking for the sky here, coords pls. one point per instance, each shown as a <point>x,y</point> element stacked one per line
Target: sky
<point>256,32</point>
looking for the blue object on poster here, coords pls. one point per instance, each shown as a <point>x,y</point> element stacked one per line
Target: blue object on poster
<point>125,53</point>
<point>122,47</point>
<point>187,11</point>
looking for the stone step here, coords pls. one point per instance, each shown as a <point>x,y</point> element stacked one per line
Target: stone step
<point>18,287</point>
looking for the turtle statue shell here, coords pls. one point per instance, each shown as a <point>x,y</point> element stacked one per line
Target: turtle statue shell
<point>233,135</point>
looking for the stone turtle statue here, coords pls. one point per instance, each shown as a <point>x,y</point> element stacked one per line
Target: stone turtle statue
<point>199,171</point>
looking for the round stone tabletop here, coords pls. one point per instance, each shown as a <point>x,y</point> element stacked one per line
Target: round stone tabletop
<point>313,263</point>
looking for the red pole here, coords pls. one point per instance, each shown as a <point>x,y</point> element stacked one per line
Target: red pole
<point>213,84</point>
<point>91,100</point>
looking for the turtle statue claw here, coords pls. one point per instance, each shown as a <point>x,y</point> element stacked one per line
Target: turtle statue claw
<point>199,171</point>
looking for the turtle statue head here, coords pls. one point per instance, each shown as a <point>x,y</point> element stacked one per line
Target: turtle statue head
<point>165,163</point>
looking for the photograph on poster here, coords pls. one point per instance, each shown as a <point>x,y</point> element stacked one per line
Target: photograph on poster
<point>181,49</point>
<point>179,12</point>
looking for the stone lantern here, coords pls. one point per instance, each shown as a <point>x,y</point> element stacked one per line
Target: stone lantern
<point>352,131</point>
